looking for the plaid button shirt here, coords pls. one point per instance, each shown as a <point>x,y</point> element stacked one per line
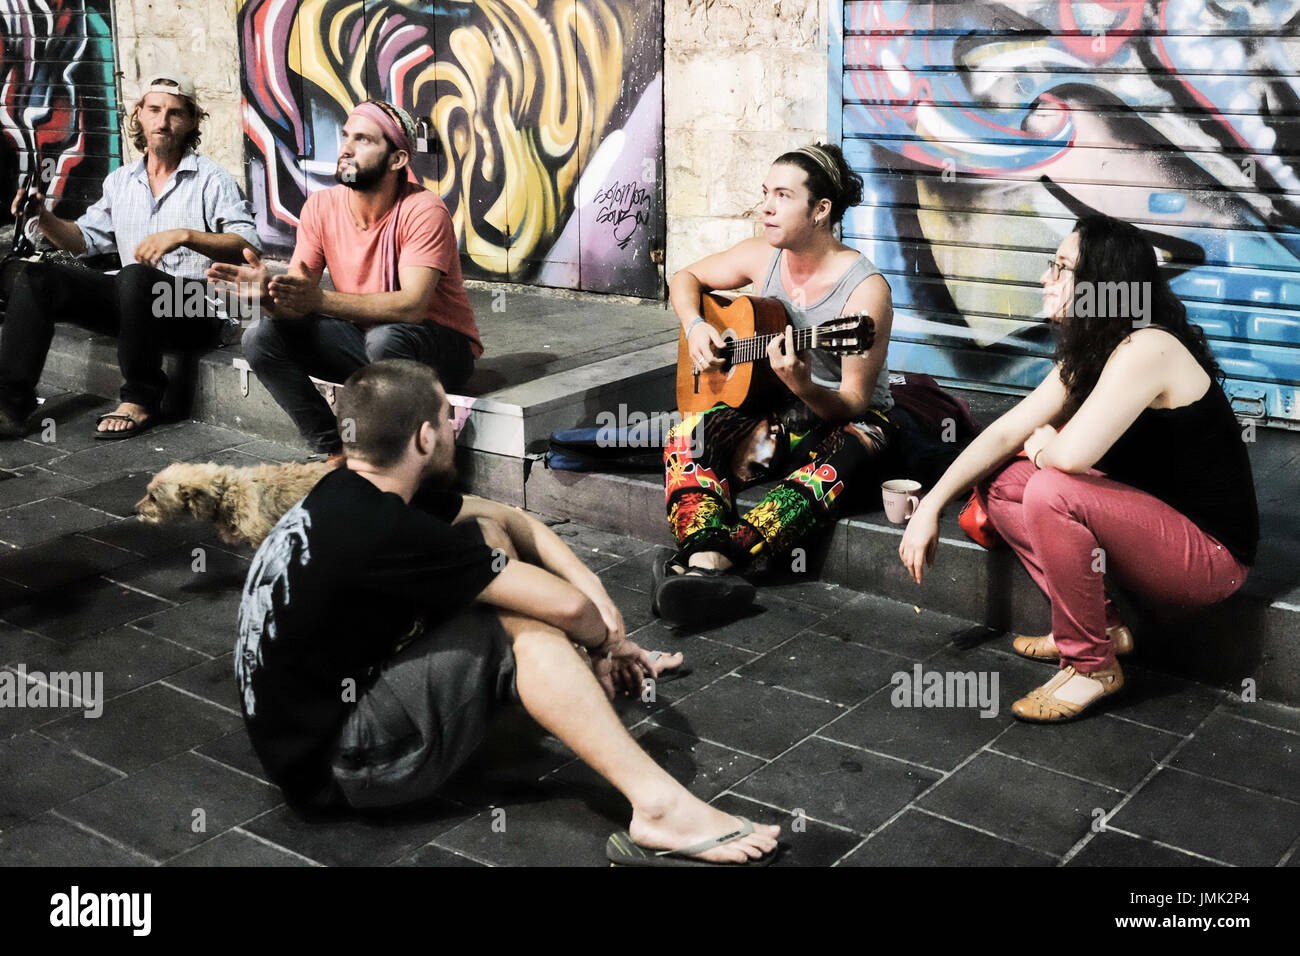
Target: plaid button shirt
<point>199,195</point>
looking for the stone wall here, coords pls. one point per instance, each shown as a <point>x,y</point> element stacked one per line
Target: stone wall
<point>744,81</point>
<point>198,38</point>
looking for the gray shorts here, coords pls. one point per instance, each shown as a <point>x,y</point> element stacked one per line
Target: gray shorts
<point>426,712</point>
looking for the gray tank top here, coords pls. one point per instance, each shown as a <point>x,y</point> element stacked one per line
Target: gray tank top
<point>826,369</point>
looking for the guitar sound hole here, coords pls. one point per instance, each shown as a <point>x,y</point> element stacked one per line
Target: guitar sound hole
<point>728,369</point>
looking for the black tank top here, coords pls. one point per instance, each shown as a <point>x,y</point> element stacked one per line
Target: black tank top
<point>1193,458</point>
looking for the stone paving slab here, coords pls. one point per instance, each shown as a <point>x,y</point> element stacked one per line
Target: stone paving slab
<point>916,837</point>
<point>1217,820</point>
<point>790,715</point>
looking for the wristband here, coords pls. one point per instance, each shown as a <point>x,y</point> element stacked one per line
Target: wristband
<point>694,322</point>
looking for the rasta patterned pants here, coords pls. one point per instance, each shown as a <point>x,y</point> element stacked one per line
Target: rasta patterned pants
<point>714,454</point>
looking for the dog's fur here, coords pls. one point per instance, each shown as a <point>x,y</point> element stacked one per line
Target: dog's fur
<point>243,504</point>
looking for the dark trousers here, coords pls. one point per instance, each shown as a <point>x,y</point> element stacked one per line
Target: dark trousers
<point>285,352</point>
<point>131,305</point>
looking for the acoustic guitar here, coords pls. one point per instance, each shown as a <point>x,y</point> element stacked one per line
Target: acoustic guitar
<point>748,324</point>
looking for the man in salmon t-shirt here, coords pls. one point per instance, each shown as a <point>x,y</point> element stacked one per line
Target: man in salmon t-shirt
<point>392,256</point>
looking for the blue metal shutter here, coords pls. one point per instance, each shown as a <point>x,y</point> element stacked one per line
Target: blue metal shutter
<point>984,130</point>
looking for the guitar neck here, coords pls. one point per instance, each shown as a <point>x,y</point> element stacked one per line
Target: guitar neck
<point>755,347</point>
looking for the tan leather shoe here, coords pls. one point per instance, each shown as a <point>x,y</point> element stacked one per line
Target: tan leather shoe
<point>1043,646</point>
<point>1042,705</point>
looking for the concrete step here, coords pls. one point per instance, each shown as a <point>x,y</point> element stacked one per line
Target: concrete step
<point>514,414</point>
<point>1254,636</point>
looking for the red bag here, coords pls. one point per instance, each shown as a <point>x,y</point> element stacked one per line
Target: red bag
<point>974,520</point>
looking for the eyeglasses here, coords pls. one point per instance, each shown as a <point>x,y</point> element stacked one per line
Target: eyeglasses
<point>1057,268</point>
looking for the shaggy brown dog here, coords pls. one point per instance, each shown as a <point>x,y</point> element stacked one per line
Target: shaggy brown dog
<point>243,504</point>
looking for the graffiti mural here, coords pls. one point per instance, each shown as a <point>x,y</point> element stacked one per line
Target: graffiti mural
<point>58,99</point>
<point>984,130</point>
<point>544,122</point>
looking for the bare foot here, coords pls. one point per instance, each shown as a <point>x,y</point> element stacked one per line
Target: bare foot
<point>692,821</point>
<point>713,560</point>
<point>138,414</point>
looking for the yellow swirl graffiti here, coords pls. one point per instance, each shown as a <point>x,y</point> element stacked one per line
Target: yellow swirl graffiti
<point>520,102</point>
<point>527,97</point>
<point>326,65</point>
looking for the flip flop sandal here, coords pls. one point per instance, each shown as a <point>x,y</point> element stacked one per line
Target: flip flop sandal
<point>698,595</point>
<point>622,850</point>
<point>136,426</point>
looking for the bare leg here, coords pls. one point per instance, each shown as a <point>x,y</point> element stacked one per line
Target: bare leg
<point>710,559</point>
<point>495,537</point>
<point>557,688</point>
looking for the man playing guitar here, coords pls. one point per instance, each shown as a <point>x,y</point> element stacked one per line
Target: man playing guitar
<point>832,426</point>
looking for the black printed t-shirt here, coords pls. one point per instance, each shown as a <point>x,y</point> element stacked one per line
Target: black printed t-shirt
<point>348,576</point>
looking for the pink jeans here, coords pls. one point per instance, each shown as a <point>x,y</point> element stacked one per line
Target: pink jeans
<point>1071,530</point>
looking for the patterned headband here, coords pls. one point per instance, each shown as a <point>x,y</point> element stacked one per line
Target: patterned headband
<point>400,134</point>
<point>826,162</point>
<point>394,124</point>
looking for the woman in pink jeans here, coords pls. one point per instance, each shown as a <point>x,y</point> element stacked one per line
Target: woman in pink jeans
<point>1149,482</point>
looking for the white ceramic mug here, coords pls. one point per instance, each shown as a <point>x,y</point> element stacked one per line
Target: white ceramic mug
<point>900,499</point>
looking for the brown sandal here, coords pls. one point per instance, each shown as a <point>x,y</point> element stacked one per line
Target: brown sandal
<point>1043,646</point>
<point>1042,706</point>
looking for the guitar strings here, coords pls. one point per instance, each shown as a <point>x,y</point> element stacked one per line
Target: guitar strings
<point>754,347</point>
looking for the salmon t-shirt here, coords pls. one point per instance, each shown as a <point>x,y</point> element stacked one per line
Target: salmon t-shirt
<point>329,236</point>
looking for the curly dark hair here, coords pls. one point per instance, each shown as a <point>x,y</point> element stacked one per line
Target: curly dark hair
<point>820,182</point>
<point>1113,251</point>
<point>136,131</point>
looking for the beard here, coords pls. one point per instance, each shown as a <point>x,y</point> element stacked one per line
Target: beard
<point>362,177</point>
<point>440,473</point>
<point>167,145</point>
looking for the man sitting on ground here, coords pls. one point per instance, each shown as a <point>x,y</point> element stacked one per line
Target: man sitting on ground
<point>167,217</point>
<point>386,617</point>
<point>392,255</point>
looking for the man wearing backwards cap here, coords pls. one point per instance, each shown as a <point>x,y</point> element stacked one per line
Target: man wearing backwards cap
<point>168,217</point>
<point>393,259</point>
